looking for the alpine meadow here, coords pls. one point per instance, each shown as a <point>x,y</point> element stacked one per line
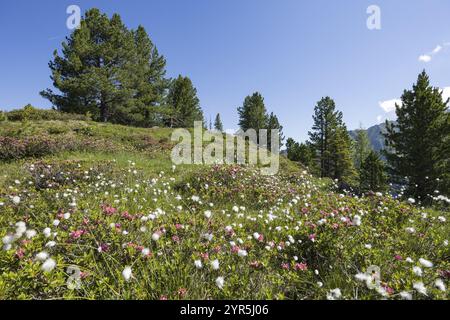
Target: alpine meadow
<point>95,204</point>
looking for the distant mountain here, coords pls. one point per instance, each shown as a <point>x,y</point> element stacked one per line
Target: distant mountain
<point>375,137</point>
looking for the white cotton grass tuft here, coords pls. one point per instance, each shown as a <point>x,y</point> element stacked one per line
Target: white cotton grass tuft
<point>420,287</point>
<point>127,273</point>
<point>363,277</point>
<point>208,214</point>
<point>42,256</point>
<point>16,200</point>
<point>417,271</point>
<point>48,265</point>
<point>426,263</point>
<point>220,281</point>
<point>356,220</point>
<point>198,264</point>
<point>242,253</point>
<point>406,295</point>
<point>334,294</point>
<point>30,233</point>
<point>156,236</point>
<point>440,285</point>
<point>215,264</point>
<point>47,232</point>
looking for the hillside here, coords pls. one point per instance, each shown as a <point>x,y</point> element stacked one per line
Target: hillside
<point>374,134</point>
<point>98,211</point>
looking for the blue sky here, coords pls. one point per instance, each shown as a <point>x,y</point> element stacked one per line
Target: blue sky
<point>292,51</point>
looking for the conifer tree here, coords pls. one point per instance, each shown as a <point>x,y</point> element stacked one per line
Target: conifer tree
<point>273,123</point>
<point>417,143</point>
<point>372,174</point>
<point>183,104</point>
<point>361,147</point>
<point>111,72</point>
<point>218,123</point>
<point>326,119</point>
<point>253,113</point>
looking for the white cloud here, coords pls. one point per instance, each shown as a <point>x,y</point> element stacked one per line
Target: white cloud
<point>389,105</point>
<point>428,56</point>
<point>379,118</point>
<point>437,49</point>
<point>425,58</point>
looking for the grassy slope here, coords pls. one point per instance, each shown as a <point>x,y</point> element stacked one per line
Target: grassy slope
<point>121,167</point>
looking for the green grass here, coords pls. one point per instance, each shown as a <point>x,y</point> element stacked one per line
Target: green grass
<point>133,174</point>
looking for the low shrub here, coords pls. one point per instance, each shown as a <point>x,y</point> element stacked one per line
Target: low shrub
<point>29,113</point>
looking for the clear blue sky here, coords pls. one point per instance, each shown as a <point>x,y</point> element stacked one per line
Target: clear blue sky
<point>292,51</point>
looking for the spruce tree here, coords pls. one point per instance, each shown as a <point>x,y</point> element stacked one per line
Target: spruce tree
<point>183,104</point>
<point>361,147</point>
<point>253,113</point>
<point>341,165</point>
<point>218,123</point>
<point>273,123</point>
<point>372,174</point>
<point>417,143</point>
<point>326,120</point>
<point>111,72</point>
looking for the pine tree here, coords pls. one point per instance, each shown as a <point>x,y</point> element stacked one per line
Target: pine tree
<point>218,123</point>
<point>183,103</point>
<point>418,142</point>
<point>105,69</point>
<point>253,113</point>
<point>273,123</point>
<point>372,174</point>
<point>341,164</point>
<point>361,147</point>
<point>299,152</point>
<point>326,120</point>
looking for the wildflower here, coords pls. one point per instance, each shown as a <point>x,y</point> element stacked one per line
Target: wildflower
<point>215,264</point>
<point>156,236</point>
<point>50,244</point>
<point>301,266</point>
<point>426,263</point>
<point>356,220</point>
<point>363,277</point>
<point>368,246</point>
<point>242,253</point>
<point>127,273</point>
<point>220,281</point>
<point>417,271</point>
<point>48,265</point>
<point>42,256</point>
<point>8,239</point>
<point>420,287</point>
<point>440,285</point>
<point>195,198</point>
<point>406,295</point>
<point>285,266</point>
<point>208,214</point>
<point>398,257</point>
<point>410,230</point>
<point>198,264</point>
<point>411,201</point>
<point>235,209</point>
<point>145,252</point>
<point>47,232</point>
<point>16,200</point>
<point>334,294</point>
<point>441,219</point>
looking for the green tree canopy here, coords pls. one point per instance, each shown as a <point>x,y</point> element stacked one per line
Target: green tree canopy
<point>418,143</point>
<point>183,104</point>
<point>218,123</point>
<point>114,73</point>
<point>372,174</point>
